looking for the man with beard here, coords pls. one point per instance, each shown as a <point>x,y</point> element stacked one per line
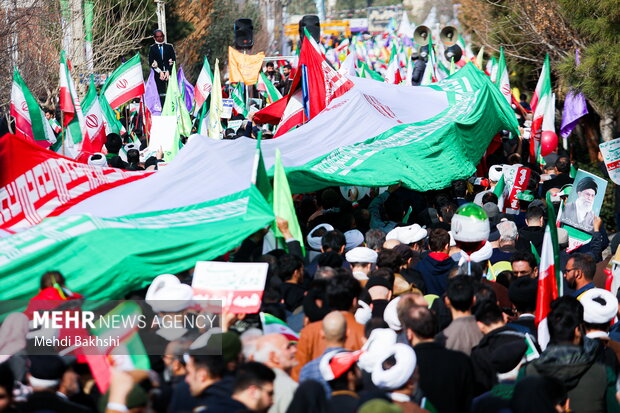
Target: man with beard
<point>579,213</point>
<point>579,273</point>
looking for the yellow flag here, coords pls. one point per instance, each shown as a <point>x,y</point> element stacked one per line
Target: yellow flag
<point>215,110</point>
<point>244,67</point>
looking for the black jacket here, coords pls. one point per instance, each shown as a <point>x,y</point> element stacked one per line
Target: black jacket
<point>162,63</point>
<point>50,402</point>
<point>495,353</point>
<point>587,381</point>
<point>446,377</point>
<point>530,234</point>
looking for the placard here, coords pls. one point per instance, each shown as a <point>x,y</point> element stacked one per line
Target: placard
<point>234,124</point>
<point>162,136</point>
<point>584,202</point>
<point>227,107</point>
<point>238,285</point>
<point>611,156</point>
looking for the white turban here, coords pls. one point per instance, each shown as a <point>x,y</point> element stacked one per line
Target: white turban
<point>390,315</point>
<point>407,235</point>
<point>599,306</point>
<point>168,295</point>
<point>362,254</point>
<point>315,242</point>
<point>378,346</point>
<point>495,173</point>
<point>395,377</point>
<point>130,146</point>
<point>97,159</point>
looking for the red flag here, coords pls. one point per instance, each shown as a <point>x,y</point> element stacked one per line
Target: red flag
<point>324,84</point>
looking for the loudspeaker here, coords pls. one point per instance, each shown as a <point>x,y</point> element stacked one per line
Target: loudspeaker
<point>243,33</point>
<point>421,35</point>
<point>449,35</point>
<point>453,52</point>
<point>312,24</point>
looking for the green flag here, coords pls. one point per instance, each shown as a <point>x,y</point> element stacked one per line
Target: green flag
<point>238,97</point>
<point>175,106</point>
<point>260,177</point>
<point>283,200</point>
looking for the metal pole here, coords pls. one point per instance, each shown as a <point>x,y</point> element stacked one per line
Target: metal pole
<point>161,17</point>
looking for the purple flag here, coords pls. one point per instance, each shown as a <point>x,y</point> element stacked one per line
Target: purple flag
<point>151,95</point>
<point>574,108</point>
<point>187,89</point>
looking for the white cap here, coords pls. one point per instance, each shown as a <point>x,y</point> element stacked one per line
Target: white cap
<point>362,254</point>
<point>315,242</point>
<point>354,238</point>
<point>599,306</point>
<point>97,159</point>
<point>167,294</point>
<point>407,235</point>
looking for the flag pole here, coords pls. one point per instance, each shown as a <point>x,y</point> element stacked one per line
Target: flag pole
<point>62,133</point>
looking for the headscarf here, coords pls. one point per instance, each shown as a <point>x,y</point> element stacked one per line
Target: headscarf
<point>13,335</point>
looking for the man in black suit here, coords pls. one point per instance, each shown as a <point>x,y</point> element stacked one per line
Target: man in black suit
<point>161,59</point>
<point>446,376</point>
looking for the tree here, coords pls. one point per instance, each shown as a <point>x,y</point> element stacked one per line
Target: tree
<point>529,29</point>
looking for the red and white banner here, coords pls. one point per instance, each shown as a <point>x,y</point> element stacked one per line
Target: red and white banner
<point>522,178</point>
<point>36,183</point>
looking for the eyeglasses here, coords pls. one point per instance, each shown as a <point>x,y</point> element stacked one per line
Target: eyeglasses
<point>567,270</point>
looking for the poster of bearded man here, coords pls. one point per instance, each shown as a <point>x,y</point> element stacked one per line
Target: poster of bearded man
<point>584,202</point>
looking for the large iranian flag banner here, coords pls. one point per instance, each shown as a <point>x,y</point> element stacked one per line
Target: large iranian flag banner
<point>125,83</point>
<point>36,183</point>
<point>30,122</point>
<point>103,258</point>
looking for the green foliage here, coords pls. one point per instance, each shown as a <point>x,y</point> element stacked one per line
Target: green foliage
<point>220,35</point>
<point>177,28</point>
<point>598,75</point>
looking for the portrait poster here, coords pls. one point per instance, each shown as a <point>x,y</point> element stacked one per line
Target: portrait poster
<point>584,202</point>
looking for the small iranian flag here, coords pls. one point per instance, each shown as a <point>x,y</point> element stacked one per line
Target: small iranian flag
<point>265,85</point>
<point>273,325</point>
<point>130,354</point>
<point>203,85</point>
<point>237,95</point>
<point>95,121</point>
<point>67,92</point>
<point>549,277</point>
<point>541,105</point>
<point>73,121</point>
<point>503,80</point>
<point>430,71</point>
<point>393,71</point>
<point>125,83</point>
<point>30,122</point>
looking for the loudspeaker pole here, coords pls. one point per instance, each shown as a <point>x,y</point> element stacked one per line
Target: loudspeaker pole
<point>161,17</point>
